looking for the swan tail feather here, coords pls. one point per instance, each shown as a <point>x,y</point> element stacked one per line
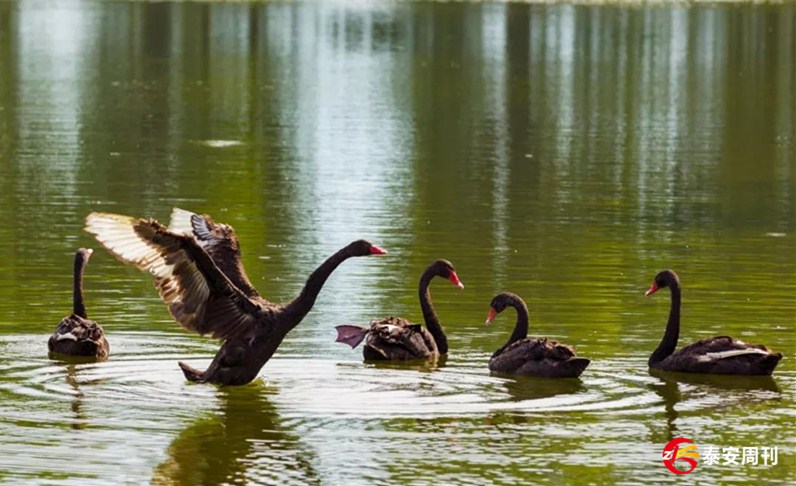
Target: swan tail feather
<point>191,373</point>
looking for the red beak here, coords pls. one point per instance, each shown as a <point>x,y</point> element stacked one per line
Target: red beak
<point>375,250</point>
<point>653,288</point>
<point>455,279</point>
<point>491,316</point>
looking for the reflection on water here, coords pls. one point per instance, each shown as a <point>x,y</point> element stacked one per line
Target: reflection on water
<point>712,386</point>
<point>670,393</point>
<point>79,420</point>
<point>565,153</point>
<point>722,382</point>
<point>429,364</point>
<point>243,440</point>
<point>308,417</point>
<point>528,388</point>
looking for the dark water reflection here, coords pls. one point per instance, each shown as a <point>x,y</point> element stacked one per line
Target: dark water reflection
<point>241,442</point>
<point>524,388</point>
<point>79,418</point>
<point>566,153</point>
<point>752,388</point>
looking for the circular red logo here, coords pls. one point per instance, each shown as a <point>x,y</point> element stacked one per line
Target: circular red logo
<point>680,450</point>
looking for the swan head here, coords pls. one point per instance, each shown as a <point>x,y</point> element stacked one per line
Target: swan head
<point>444,268</point>
<point>81,256</point>
<point>666,278</point>
<point>364,248</point>
<point>500,302</point>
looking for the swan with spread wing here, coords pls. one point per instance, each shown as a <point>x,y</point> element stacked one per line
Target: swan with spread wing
<point>196,265</point>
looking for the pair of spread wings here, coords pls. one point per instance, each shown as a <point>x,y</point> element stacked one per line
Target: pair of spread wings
<point>196,266</point>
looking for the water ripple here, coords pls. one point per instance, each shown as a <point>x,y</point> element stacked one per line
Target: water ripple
<point>301,405</point>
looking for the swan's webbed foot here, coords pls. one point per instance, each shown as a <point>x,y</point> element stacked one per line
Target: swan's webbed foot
<point>351,335</point>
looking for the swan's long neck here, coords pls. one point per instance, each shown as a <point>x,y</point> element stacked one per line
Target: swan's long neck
<point>302,304</point>
<point>78,306</point>
<point>429,314</point>
<point>669,341</point>
<point>521,327</point>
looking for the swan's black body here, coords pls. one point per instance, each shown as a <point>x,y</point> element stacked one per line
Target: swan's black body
<point>522,355</point>
<point>77,335</point>
<point>719,355</point>
<point>397,339</point>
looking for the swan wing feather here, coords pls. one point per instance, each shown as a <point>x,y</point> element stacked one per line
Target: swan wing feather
<point>219,241</point>
<point>718,345</point>
<point>394,336</point>
<point>517,354</point>
<point>198,294</point>
<point>730,354</point>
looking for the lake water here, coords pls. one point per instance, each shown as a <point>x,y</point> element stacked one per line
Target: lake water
<point>565,153</point>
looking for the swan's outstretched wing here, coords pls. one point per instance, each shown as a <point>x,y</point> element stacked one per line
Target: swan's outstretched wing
<point>200,297</point>
<point>180,222</point>
<point>219,241</point>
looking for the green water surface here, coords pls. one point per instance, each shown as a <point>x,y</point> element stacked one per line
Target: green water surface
<point>566,153</point>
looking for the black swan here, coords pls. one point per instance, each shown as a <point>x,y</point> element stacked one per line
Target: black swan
<point>721,354</point>
<point>198,273</point>
<point>395,338</point>
<point>522,355</point>
<point>76,335</point>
